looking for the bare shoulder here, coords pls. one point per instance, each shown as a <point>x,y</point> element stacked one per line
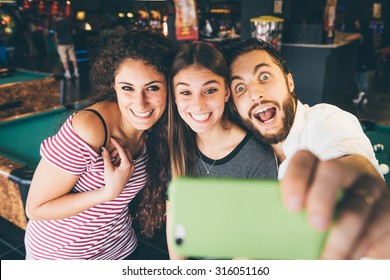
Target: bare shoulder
<point>90,128</point>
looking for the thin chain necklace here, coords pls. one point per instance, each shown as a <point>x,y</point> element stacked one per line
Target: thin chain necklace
<point>211,166</point>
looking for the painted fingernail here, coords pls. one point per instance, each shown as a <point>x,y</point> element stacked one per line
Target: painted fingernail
<point>294,203</point>
<point>318,221</point>
<point>101,149</point>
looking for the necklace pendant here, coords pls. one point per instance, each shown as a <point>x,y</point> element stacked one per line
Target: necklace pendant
<point>208,172</point>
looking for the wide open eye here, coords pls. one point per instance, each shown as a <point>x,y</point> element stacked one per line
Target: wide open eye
<point>239,88</point>
<point>264,77</point>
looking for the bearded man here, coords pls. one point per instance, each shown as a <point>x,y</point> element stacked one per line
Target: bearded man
<point>320,150</point>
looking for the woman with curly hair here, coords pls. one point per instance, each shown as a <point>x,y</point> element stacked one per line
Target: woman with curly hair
<point>103,156</point>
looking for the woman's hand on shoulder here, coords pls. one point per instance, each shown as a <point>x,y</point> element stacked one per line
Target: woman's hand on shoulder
<point>118,172</point>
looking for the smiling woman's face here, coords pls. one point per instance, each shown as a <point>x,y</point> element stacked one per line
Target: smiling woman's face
<point>141,93</point>
<point>200,96</point>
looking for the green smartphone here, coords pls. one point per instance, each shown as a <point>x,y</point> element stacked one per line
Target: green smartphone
<point>223,218</point>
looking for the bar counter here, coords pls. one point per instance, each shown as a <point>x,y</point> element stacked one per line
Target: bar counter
<point>323,72</point>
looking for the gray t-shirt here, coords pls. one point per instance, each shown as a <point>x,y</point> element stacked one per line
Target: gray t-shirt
<point>250,159</point>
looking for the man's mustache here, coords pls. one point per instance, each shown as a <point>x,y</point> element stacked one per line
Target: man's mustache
<point>276,104</point>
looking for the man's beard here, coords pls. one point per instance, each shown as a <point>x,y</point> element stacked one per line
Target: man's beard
<point>281,135</point>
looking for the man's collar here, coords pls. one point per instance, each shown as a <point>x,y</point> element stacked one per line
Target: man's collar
<point>299,117</point>
<point>296,129</point>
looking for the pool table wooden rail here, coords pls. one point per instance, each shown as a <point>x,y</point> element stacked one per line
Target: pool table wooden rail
<point>30,95</point>
<point>11,196</point>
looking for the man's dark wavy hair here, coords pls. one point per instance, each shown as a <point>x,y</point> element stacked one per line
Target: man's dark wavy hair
<point>156,51</point>
<point>232,50</point>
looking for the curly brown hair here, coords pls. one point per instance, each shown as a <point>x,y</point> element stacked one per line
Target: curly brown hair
<point>156,51</point>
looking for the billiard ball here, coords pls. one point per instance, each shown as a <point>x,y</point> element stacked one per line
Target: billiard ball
<point>378,148</point>
<point>384,168</point>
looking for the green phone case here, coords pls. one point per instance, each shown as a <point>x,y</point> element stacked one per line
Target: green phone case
<point>237,218</point>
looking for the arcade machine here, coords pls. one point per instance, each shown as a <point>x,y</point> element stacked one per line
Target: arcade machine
<point>9,24</point>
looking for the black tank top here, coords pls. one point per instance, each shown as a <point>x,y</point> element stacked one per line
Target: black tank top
<point>104,124</point>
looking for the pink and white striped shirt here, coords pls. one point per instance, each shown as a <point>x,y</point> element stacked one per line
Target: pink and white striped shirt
<point>103,231</point>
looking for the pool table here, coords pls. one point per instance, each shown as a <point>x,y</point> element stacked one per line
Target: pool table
<point>28,91</point>
<point>379,133</point>
<point>20,139</point>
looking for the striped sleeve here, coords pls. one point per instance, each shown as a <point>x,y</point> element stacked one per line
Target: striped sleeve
<point>67,150</point>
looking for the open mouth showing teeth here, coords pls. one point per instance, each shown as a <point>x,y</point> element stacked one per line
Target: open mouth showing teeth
<point>143,114</point>
<point>200,117</point>
<point>266,114</point>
